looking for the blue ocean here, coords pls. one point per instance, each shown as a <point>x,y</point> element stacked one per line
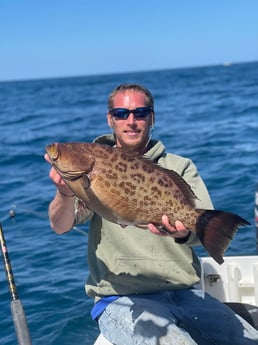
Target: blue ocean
<point>209,114</point>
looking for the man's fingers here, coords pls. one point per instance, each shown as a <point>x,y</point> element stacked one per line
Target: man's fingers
<point>46,156</point>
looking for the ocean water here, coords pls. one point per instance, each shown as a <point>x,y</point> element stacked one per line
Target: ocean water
<point>209,114</point>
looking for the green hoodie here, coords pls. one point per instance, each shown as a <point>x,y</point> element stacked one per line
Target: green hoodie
<point>131,260</point>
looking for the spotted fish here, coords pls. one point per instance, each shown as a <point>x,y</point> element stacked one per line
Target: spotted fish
<point>128,189</point>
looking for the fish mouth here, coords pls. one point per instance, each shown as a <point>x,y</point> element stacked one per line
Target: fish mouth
<point>66,173</point>
<point>52,151</point>
<point>69,175</point>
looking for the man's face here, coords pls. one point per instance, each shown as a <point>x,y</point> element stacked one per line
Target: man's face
<point>131,133</point>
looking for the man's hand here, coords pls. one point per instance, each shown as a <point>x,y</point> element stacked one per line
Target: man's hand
<point>177,231</point>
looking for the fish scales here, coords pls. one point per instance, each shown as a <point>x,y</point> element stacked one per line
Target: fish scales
<point>137,190</point>
<point>127,189</point>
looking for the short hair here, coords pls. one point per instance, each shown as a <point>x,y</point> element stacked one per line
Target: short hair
<point>134,87</point>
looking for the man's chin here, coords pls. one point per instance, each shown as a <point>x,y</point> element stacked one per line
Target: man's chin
<point>131,145</point>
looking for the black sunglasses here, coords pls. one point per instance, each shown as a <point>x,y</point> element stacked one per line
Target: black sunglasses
<point>139,113</point>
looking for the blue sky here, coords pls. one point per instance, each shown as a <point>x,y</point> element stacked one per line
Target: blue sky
<point>58,38</point>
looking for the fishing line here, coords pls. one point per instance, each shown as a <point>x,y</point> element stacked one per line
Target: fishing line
<point>12,214</point>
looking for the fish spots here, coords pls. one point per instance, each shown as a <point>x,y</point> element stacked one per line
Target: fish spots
<point>147,168</point>
<point>99,152</point>
<point>126,157</point>
<point>105,156</point>
<point>113,158</point>
<point>113,191</point>
<point>147,200</point>
<point>163,181</point>
<point>134,165</point>
<point>107,174</point>
<point>137,177</point>
<point>128,187</point>
<point>177,195</point>
<point>121,167</point>
<point>147,204</point>
<point>155,192</point>
<point>102,152</point>
<point>110,174</point>
<point>107,184</point>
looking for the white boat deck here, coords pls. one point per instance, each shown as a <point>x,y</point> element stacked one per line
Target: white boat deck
<point>236,280</point>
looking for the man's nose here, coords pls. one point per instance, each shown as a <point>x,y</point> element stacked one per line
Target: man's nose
<point>131,119</point>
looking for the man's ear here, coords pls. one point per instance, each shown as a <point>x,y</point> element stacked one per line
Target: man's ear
<point>152,120</point>
<point>109,120</point>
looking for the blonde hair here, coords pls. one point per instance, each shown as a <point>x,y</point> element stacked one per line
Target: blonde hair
<point>133,87</point>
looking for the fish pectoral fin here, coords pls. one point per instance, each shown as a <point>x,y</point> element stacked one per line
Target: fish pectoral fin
<point>216,229</point>
<point>123,225</point>
<point>142,226</point>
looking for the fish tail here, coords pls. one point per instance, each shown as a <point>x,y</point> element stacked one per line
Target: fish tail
<point>216,229</point>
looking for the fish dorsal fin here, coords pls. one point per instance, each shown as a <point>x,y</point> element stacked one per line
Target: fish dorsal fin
<point>182,185</point>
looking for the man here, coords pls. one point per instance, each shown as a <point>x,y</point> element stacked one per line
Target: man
<point>142,284</point>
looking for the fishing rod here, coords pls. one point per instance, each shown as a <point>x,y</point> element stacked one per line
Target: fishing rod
<point>18,314</point>
<point>19,318</point>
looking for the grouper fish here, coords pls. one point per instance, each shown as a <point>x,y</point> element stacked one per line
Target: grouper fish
<point>128,189</point>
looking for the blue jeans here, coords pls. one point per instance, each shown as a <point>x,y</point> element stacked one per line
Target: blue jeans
<point>187,316</point>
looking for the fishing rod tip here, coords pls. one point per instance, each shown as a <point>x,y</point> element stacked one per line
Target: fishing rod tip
<point>12,213</point>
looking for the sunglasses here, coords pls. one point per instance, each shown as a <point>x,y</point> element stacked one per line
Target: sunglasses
<point>139,113</point>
